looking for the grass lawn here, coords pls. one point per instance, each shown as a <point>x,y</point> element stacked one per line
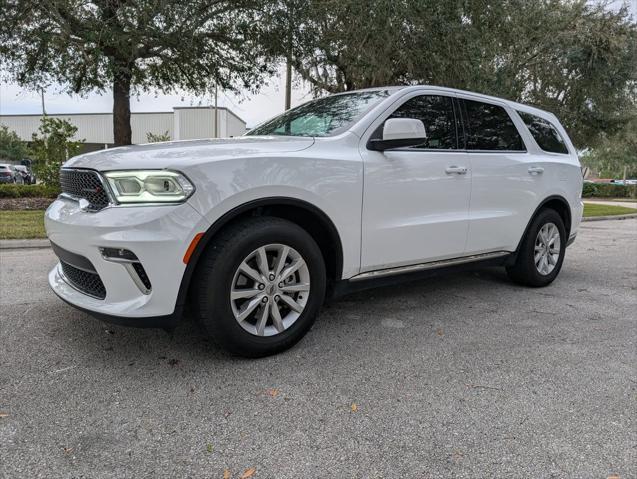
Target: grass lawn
<point>591,209</point>
<point>22,224</point>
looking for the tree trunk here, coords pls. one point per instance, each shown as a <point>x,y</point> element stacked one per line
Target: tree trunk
<point>121,108</point>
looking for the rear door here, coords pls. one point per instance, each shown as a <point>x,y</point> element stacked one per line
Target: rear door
<point>505,191</point>
<point>416,199</point>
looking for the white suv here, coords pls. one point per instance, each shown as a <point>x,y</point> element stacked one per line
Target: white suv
<point>254,232</point>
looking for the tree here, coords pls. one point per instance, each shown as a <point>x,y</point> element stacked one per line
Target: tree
<point>12,148</point>
<point>575,58</point>
<point>52,147</point>
<point>615,154</point>
<point>132,45</point>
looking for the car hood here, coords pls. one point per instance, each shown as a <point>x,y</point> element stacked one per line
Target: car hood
<point>179,154</point>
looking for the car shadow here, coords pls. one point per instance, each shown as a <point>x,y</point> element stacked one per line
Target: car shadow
<point>107,343</point>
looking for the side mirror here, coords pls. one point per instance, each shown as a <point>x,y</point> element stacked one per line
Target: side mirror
<point>399,132</point>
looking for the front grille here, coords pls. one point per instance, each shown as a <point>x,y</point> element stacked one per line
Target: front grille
<point>89,283</point>
<point>84,184</point>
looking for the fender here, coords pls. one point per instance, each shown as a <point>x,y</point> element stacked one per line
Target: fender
<point>511,260</point>
<point>242,209</point>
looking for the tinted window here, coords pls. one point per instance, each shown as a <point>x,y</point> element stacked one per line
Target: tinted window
<point>436,113</point>
<point>322,117</point>
<point>544,133</point>
<point>489,127</point>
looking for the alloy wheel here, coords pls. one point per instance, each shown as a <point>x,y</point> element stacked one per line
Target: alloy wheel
<point>270,290</point>
<point>547,249</point>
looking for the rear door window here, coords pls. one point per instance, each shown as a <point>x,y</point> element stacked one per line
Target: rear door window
<point>544,133</point>
<point>436,113</point>
<point>489,127</point>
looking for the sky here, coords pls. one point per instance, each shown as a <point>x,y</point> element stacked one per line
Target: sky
<point>252,108</point>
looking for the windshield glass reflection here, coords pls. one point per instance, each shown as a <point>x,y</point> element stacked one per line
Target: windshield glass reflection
<point>323,117</point>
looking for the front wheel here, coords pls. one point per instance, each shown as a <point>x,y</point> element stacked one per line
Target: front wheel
<point>541,253</point>
<point>259,286</point>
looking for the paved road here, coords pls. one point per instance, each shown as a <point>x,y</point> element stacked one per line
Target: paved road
<point>465,376</point>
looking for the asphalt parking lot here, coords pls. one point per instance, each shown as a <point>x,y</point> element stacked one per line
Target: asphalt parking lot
<point>461,376</point>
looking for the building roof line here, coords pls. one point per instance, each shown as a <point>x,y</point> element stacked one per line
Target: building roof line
<point>132,112</point>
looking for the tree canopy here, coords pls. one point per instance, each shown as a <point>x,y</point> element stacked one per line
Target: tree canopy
<point>132,45</point>
<point>575,58</point>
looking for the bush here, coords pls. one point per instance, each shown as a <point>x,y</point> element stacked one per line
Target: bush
<point>28,191</point>
<point>608,190</point>
<point>53,147</point>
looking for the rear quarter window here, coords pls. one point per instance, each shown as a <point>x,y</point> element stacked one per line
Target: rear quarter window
<point>544,133</point>
<point>489,127</point>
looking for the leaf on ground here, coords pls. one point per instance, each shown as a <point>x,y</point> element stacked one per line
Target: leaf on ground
<point>209,447</point>
<point>272,392</point>
<point>354,407</point>
<point>248,473</point>
<point>226,474</point>
<point>440,332</point>
<point>4,414</point>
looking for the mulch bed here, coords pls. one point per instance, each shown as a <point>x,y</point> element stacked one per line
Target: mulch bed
<point>25,203</point>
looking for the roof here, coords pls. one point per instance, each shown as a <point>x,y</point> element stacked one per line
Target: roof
<point>511,103</point>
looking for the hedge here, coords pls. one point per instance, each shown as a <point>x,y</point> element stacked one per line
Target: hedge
<point>609,190</point>
<point>28,191</point>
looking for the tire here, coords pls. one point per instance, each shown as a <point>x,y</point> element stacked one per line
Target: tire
<point>525,271</point>
<point>218,275</point>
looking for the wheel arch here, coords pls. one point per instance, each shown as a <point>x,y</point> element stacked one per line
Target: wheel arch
<point>557,203</point>
<point>306,215</point>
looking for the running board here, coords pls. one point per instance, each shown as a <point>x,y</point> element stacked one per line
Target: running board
<point>381,273</point>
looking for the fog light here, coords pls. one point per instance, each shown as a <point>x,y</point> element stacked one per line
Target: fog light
<point>118,254</point>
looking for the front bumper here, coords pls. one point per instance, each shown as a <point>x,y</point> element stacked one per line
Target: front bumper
<point>158,235</point>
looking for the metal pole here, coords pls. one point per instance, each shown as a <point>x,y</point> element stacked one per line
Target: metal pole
<point>42,97</point>
<point>288,85</point>
<point>216,116</point>
<point>288,70</point>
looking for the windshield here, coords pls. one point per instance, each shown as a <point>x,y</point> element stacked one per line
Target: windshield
<point>323,117</point>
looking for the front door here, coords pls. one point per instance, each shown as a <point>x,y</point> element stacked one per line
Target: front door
<point>416,199</point>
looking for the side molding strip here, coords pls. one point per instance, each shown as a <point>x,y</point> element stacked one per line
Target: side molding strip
<point>424,266</point>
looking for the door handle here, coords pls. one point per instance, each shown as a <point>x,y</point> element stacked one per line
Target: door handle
<point>536,170</point>
<point>456,170</point>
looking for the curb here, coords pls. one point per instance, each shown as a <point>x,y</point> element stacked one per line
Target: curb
<point>614,217</point>
<point>24,244</point>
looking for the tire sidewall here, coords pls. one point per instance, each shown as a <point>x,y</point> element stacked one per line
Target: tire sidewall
<point>221,323</point>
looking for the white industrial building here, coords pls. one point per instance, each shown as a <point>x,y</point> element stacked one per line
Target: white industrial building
<point>96,129</point>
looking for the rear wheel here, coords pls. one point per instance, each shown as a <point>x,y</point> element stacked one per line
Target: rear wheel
<point>259,286</point>
<point>541,253</point>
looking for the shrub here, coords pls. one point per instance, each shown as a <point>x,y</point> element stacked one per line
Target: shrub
<point>156,138</point>
<point>28,191</point>
<point>11,147</point>
<point>608,190</point>
<point>52,148</point>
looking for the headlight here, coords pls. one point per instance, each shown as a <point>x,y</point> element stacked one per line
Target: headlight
<point>149,186</point>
